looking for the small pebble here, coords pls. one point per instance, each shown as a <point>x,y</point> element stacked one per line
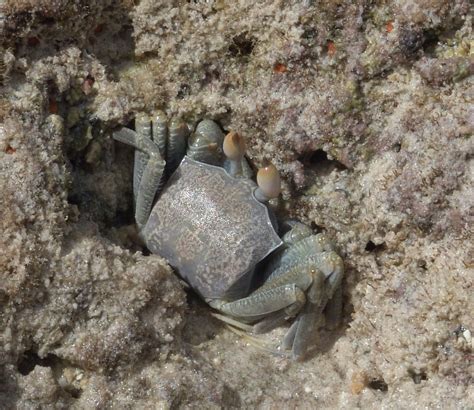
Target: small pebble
<point>358,382</point>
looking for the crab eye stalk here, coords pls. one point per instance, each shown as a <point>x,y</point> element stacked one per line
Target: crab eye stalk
<point>234,146</point>
<point>269,183</point>
<point>234,150</point>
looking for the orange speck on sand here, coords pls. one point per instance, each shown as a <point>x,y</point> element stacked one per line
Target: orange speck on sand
<point>358,382</point>
<point>53,106</point>
<point>331,48</point>
<point>99,29</point>
<point>389,27</point>
<point>33,41</point>
<point>87,85</point>
<point>279,68</point>
<point>10,150</point>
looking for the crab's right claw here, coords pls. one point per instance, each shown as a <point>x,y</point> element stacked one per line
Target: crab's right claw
<point>305,331</point>
<point>205,144</point>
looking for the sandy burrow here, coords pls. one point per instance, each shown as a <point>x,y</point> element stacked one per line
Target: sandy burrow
<point>367,112</point>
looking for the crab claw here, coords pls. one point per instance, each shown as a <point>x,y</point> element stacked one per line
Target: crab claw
<point>269,183</point>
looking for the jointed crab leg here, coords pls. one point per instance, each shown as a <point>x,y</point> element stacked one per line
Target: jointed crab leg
<point>263,303</point>
<point>309,320</point>
<point>159,131</point>
<point>232,322</point>
<point>150,179</point>
<point>276,319</point>
<point>295,233</point>
<point>257,342</point>
<point>147,127</point>
<point>306,326</point>
<point>143,129</point>
<point>289,338</point>
<point>300,245</point>
<point>333,310</point>
<point>265,325</point>
<point>177,144</point>
<point>316,276</point>
<point>171,139</point>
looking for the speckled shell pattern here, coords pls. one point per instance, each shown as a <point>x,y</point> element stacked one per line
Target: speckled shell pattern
<point>210,227</point>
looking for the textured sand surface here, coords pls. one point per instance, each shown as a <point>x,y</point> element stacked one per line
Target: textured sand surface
<point>367,110</point>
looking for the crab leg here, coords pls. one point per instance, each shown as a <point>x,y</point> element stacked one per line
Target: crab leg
<point>288,297</point>
<point>273,321</point>
<point>333,310</point>
<point>326,273</point>
<point>289,338</point>
<point>177,140</point>
<point>306,326</point>
<point>150,179</point>
<point>159,134</point>
<point>147,127</point>
<point>296,232</point>
<point>300,245</point>
<point>143,129</point>
<point>301,334</point>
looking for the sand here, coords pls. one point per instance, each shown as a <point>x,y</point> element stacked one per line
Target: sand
<point>366,110</point>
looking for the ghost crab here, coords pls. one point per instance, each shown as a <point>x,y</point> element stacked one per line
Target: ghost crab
<point>197,206</point>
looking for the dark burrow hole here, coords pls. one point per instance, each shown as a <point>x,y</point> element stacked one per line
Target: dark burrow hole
<point>30,359</point>
<point>130,124</point>
<point>430,41</point>
<point>315,227</point>
<point>421,263</point>
<point>372,247</point>
<point>95,209</point>
<point>46,20</point>
<point>318,162</point>
<point>93,204</point>
<point>417,377</point>
<point>412,40</point>
<point>184,90</point>
<point>378,384</point>
<point>242,45</point>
